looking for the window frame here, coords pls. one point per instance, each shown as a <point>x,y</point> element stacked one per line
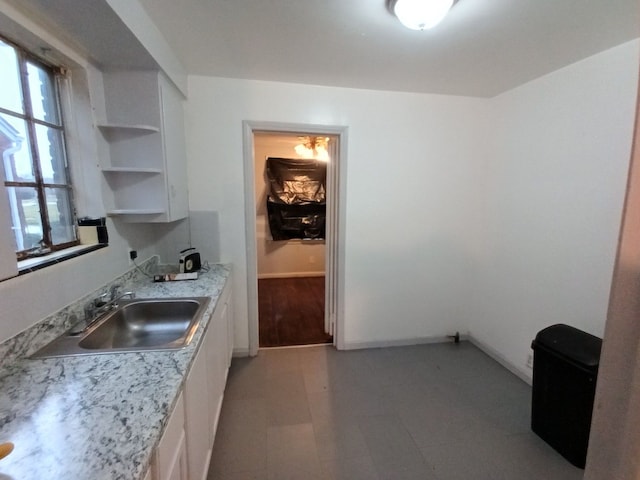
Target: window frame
<point>58,77</point>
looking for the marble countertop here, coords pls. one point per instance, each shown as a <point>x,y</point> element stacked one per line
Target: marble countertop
<point>97,416</point>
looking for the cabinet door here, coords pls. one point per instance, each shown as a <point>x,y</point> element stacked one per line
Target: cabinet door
<point>223,342</point>
<point>171,454</point>
<point>197,416</point>
<point>230,330</point>
<point>174,149</point>
<point>178,469</point>
<point>149,475</point>
<point>215,378</point>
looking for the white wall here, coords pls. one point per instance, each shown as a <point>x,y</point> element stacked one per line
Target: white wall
<point>427,252</point>
<point>200,230</point>
<point>29,298</point>
<point>277,259</point>
<point>555,184</point>
<point>413,161</point>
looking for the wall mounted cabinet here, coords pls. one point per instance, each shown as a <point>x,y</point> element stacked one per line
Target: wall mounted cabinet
<point>144,151</point>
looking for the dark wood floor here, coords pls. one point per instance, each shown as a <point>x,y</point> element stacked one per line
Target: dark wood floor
<point>291,311</point>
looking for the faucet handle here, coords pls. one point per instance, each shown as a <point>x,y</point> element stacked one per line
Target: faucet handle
<point>89,310</point>
<point>100,301</point>
<point>114,291</point>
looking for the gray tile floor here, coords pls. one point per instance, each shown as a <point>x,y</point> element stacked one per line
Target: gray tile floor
<point>428,412</point>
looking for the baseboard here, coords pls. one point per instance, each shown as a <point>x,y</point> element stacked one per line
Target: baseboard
<point>401,342</point>
<point>240,352</point>
<point>262,276</point>
<point>498,357</point>
<point>292,347</point>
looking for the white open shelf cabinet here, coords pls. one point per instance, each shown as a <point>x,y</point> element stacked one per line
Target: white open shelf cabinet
<point>143,161</point>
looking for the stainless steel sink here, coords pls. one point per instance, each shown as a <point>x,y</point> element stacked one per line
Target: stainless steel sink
<point>134,326</point>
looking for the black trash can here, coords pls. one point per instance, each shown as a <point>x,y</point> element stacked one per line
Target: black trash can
<point>565,369</point>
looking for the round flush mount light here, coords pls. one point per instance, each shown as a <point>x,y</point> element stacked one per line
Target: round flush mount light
<point>420,14</point>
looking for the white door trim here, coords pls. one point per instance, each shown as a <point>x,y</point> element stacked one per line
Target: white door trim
<point>336,176</point>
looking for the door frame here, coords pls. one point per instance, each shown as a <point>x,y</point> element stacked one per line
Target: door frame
<point>335,223</point>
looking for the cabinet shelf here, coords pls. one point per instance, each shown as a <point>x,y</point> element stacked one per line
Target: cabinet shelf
<point>123,127</point>
<point>136,211</point>
<point>140,170</point>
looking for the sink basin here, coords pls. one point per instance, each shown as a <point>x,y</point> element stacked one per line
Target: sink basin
<point>134,326</point>
<point>145,323</point>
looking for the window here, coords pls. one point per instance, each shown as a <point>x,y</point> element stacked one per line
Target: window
<point>36,174</point>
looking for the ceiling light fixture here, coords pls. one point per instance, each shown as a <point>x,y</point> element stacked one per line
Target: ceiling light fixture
<point>313,147</point>
<point>420,14</point>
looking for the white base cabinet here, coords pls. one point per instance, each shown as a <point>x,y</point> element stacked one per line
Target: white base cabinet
<point>184,452</point>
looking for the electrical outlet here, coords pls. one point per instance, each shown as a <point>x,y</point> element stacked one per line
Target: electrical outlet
<point>312,259</point>
<point>133,254</point>
<point>530,360</point>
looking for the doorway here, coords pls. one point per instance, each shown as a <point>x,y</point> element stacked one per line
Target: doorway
<point>321,262</point>
<point>291,198</point>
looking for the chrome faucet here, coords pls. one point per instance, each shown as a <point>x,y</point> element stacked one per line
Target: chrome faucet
<point>91,306</point>
<point>94,309</point>
<point>113,303</point>
<point>113,291</point>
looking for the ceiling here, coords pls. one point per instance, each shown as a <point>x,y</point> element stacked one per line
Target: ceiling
<point>91,26</point>
<point>482,48</point>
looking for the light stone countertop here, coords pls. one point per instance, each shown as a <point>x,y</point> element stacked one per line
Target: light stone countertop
<point>97,417</point>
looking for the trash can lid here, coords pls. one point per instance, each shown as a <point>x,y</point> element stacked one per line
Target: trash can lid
<point>575,345</point>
